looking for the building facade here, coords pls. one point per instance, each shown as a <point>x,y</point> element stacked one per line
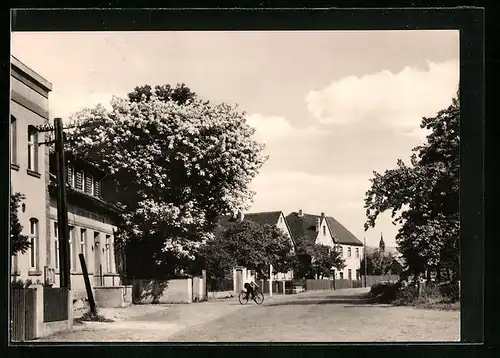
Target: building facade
<point>92,223</point>
<point>92,220</point>
<point>325,230</point>
<point>29,168</point>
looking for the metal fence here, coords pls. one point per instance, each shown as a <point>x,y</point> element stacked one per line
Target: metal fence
<point>55,304</point>
<point>220,285</point>
<point>22,310</point>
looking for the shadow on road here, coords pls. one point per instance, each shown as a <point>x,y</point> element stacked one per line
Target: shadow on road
<point>324,300</point>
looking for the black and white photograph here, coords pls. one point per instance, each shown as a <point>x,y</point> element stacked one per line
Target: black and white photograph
<point>235,186</point>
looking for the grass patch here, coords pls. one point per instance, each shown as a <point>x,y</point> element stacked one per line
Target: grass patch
<point>93,317</point>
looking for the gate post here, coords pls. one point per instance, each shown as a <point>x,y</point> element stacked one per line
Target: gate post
<point>38,310</point>
<point>70,309</point>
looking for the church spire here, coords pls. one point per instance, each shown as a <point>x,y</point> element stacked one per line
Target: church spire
<point>381,244</point>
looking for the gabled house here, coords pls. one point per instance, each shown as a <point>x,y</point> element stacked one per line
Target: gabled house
<point>92,222</point>
<point>325,230</point>
<point>352,249</point>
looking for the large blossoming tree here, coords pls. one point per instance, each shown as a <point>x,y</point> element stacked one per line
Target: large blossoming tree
<point>423,198</point>
<point>176,162</point>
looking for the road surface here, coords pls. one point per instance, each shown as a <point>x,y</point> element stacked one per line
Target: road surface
<point>323,316</point>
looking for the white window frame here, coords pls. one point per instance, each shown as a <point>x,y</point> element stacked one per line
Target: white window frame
<point>349,274</point>
<point>56,245</point>
<point>83,240</point>
<point>13,140</point>
<point>324,230</point>
<point>71,248</point>
<point>357,252</point>
<point>349,252</point>
<point>32,149</point>
<point>33,235</point>
<point>107,245</point>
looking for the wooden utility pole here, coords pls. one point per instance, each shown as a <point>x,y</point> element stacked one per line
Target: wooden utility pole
<point>62,207</point>
<point>364,254</point>
<point>90,296</point>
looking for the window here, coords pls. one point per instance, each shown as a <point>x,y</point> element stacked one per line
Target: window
<point>71,250</point>
<point>349,274</point>
<point>89,183</point>
<point>324,230</point>
<point>348,252</point>
<point>33,237</point>
<point>341,275</point>
<point>32,149</point>
<point>70,175</point>
<point>108,253</point>
<point>83,240</point>
<point>13,140</point>
<point>358,275</point>
<point>97,188</point>
<point>357,252</point>
<point>56,246</point>
<point>79,180</point>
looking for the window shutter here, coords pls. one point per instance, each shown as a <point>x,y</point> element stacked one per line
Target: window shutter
<point>97,188</point>
<point>88,184</point>
<point>79,180</point>
<point>70,175</point>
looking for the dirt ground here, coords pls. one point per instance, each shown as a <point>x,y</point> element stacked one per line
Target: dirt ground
<point>324,316</point>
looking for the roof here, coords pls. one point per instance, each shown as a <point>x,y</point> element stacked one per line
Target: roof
<point>28,72</point>
<point>263,218</point>
<point>260,218</point>
<point>341,234</point>
<point>303,226</point>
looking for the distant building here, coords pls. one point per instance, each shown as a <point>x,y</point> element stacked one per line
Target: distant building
<point>326,230</point>
<point>29,165</point>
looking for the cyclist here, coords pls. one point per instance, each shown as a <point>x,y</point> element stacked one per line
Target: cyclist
<point>250,289</point>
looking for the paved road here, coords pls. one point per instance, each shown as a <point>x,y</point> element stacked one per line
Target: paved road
<point>325,316</point>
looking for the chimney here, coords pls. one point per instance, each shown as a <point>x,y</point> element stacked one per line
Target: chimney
<point>301,214</point>
<point>322,215</point>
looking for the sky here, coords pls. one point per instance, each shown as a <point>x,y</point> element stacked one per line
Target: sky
<point>331,106</point>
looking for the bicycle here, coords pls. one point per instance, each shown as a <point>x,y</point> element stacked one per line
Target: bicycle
<point>258,296</point>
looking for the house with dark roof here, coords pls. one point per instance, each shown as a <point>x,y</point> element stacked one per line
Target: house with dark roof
<point>326,230</point>
<point>276,218</point>
<point>92,220</point>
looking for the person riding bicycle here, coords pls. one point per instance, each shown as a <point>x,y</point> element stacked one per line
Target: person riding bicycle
<point>250,289</point>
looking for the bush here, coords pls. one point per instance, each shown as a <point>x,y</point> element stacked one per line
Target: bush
<point>385,292</point>
<point>20,284</point>
<point>406,295</point>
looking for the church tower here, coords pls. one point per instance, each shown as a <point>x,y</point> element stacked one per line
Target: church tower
<point>381,244</point>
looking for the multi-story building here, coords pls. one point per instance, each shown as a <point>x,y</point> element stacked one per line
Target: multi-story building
<point>29,158</point>
<point>325,230</point>
<point>92,220</point>
<point>92,223</point>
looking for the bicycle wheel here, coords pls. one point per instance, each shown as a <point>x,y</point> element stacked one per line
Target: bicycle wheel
<point>259,298</point>
<point>242,297</point>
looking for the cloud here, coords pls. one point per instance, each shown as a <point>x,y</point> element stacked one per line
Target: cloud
<point>278,129</point>
<point>384,98</point>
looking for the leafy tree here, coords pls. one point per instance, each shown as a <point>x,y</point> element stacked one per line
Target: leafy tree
<point>181,94</point>
<point>175,167</point>
<point>315,259</point>
<point>250,245</point>
<point>18,242</point>
<point>424,197</point>
<point>377,264</point>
